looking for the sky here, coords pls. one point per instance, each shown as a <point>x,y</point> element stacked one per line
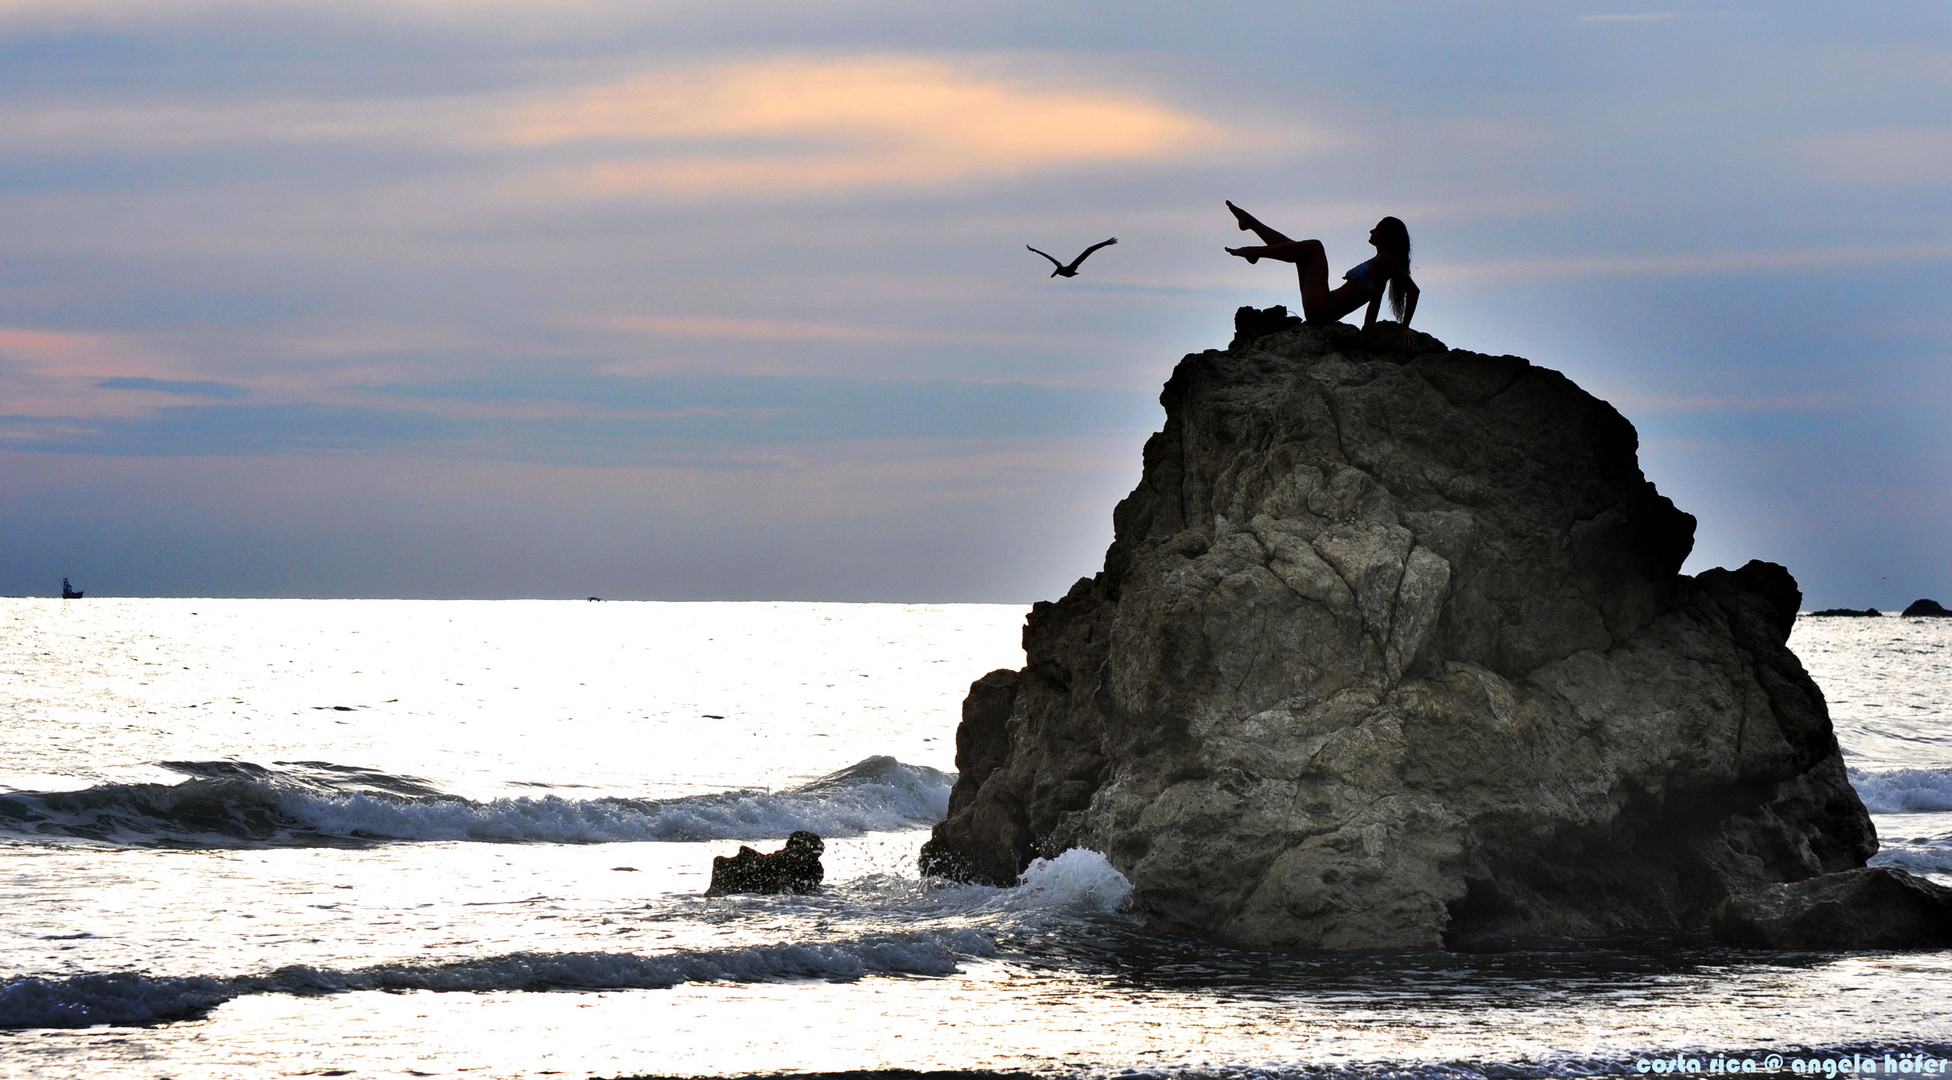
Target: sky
<point>729,300</point>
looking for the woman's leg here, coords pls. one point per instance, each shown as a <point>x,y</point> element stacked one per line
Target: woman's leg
<point>1312,271</point>
<point>1248,221</point>
<point>1311,268</point>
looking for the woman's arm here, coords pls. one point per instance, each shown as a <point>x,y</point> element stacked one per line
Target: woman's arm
<point>1375,305</point>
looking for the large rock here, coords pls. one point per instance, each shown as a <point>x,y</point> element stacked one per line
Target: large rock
<point>1877,907</point>
<point>1391,649</point>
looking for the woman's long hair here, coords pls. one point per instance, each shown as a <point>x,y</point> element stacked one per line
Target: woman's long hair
<point>1395,239</point>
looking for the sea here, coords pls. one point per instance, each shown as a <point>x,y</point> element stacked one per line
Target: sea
<point>373,838</point>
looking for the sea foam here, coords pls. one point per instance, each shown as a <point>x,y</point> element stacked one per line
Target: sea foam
<point>1079,880</point>
<point>1904,791</point>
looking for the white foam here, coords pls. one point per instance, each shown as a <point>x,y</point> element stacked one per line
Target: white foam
<point>1904,791</point>
<point>1917,857</point>
<point>1077,880</point>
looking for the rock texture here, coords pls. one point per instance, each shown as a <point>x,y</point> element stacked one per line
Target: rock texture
<point>1391,649</point>
<point>794,868</point>
<point>1873,908</point>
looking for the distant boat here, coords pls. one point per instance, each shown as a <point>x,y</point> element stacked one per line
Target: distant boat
<point>69,592</point>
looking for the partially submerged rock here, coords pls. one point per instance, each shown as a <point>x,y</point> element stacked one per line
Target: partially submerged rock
<point>1391,647</point>
<point>1848,613</point>
<point>794,868</point>
<point>1876,907</point>
<point>1926,607</point>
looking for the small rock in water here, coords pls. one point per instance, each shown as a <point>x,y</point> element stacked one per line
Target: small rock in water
<point>1930,608</point>
<point>1848,613</point>
<point>794,868</point>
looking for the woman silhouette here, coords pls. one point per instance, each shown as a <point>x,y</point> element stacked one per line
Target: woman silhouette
<point>1365,284</point>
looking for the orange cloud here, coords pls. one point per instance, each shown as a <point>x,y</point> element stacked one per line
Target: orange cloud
<point>53,372</point>
<point>54,349</point>
<point>862,122</point>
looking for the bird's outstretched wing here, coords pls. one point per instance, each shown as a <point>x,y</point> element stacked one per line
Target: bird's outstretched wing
<point>1092,248</point>
<point>1046,255</point>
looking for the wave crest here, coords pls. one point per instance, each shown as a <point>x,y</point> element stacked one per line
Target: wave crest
<point>129,999</point>
<point>227,804</point>
<point>1904,791</point>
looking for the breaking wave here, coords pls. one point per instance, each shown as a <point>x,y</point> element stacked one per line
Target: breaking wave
<point>1079,881</point>
<point>1904,791</point>
<point>1927,856</point>
<point>132,998</point>
<point>227,804</point>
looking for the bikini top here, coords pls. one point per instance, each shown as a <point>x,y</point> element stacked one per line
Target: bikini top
<point>1365,275</point>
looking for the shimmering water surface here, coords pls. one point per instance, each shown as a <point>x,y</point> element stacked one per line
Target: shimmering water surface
<point>410,838</point>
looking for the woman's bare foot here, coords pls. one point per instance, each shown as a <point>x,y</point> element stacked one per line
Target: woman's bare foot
<point>1245,219</point>
<point>1244,253</point>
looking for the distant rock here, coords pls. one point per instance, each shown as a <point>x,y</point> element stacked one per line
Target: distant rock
<point>1872,908</point>
<point>1929,608</point>
<point>1391,649</point>
<point>1848,613</point>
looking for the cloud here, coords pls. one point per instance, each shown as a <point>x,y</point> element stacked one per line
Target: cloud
<point>218,391</point>
<point>58,377</point>
<point>40,13</point>
<point>793,124</point>
<point>168,126</point>
<point>600,419</point>
<point>1673,264</point>
<point>694,326</point>
<point>55,373</point>
<point>49,346</point>
<point>774,125</point>
<point>781,408</point>
<point>1637,402</point>
<point>711,327</point>
<point>201,430</point>
<point>1882,157</point>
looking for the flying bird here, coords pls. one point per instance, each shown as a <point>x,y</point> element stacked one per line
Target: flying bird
<point>1072,270</point>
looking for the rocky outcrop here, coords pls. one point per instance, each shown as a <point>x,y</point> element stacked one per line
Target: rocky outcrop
<point>794,868</point>
<point>1391,649</point>
<point>1873,908</point>
<point>1931,608</point>
<point>1847,613</point>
